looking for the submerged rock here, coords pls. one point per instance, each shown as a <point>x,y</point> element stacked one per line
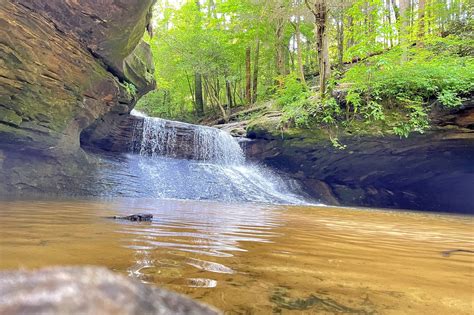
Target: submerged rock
<point>87,290</point>
<point>448,253</point>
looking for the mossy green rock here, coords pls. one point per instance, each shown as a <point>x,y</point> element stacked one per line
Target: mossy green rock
<point>432,171</point>
<point>9,117</point>
<point>139,68</point>
<point>62,69</point>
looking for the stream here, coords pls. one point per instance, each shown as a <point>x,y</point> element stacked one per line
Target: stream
<point>249,258</point>
<point>216,170</point>
<point>244,238</point>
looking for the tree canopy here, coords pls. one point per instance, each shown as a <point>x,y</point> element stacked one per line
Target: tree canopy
<point>213,55</point>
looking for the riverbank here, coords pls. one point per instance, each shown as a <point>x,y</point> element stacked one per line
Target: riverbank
<point>370,166</point>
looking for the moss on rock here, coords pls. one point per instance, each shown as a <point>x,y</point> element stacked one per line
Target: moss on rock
<point>62,70</point>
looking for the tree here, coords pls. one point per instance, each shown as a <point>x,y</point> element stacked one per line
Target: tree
<point>421,22</point>
<point>298,41</point>
<point>256,70</point>
<point>248,76</point>
<point>213,55</point>
<point>319,8</point>
<point>199,100</point>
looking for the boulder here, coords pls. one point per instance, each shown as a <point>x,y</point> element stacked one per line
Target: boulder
<point>87,290</point>
<point>65,66</point>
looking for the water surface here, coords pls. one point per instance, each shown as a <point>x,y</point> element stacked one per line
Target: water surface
<point>248,258</point>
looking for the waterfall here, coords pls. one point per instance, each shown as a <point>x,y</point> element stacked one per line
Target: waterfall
<point>162,137</point>
<point>157,139</point>
<point>175,160</point>
<point>211,144</point>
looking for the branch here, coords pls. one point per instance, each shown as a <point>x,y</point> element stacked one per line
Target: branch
<point>309,7</point>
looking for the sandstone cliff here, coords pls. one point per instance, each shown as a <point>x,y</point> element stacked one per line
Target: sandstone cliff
<point>65,66</point>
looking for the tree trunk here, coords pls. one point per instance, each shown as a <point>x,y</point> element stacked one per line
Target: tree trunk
<point>309,61</point>
<point>214,95</point>
<point>404,16</point>
<point>299,49</point>
<point>280,54</point>
<point>211,9</point>
<point>255,71</point>
<point>229,99</point>
<point>421,23</point>
<point>199,101</point>
<point>340,39</point>
<point>248,77</point>
<point>325,66</point>
<point>404,21</point>
<point>396,10</point>
<point>389,20</point>
<point>286,60</point>
<point>320,12</point>
<point>350,25</point>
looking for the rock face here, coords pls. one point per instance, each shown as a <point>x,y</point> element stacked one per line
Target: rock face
<point>87,290</point>
<point>170,138</point>
<point>113,134</point>
<point>434,171</point>
<point>65,66</point>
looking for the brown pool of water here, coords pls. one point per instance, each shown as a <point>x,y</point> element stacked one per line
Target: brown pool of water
<point>257,259</point>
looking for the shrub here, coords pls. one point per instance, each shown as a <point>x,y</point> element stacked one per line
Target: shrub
<point>293,97</point>
<point>409,87</point>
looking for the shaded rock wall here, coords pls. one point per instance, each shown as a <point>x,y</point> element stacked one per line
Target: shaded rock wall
<point>64,67</point>
<point>434,171</point>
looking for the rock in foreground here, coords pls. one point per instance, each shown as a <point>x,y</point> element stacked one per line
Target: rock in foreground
<point>87,290</point>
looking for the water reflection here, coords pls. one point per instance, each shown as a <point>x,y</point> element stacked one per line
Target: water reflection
<point>183,228</point>
<point>253,258</point>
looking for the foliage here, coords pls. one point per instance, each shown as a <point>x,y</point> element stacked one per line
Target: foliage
<point>293,98</point>
<point>301,107</point>
<point>160,103</point>
<point>410,87</point>
<point>415,120</point>
<point>210,39</point>
<point>404,58</point>
<point>130,88</point>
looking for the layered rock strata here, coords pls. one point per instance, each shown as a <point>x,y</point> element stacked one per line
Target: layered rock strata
<point>65,66</point>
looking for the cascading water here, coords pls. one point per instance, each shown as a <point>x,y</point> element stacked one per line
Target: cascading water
<point>156,139</point>
<point>214,145</point>
<point>174,160</point>
<point>160,137</point>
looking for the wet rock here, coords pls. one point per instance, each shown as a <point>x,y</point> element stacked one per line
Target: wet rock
<point>87,290</point>
<point>65,65</point>
<point>235,129</point>
<point>135,217</point>
<point>139,68</point>
<point>109,29</point>
<point>316,303</point>
<point>127,135</point>
<point>433,171</point>
<point>113,134</point>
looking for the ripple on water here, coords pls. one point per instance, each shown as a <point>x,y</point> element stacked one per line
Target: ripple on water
<point>201,283</point>
<point>209,266</point>
<point>261,258</point>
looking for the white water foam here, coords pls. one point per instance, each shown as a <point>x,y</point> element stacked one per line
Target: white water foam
<point>218,170</point>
